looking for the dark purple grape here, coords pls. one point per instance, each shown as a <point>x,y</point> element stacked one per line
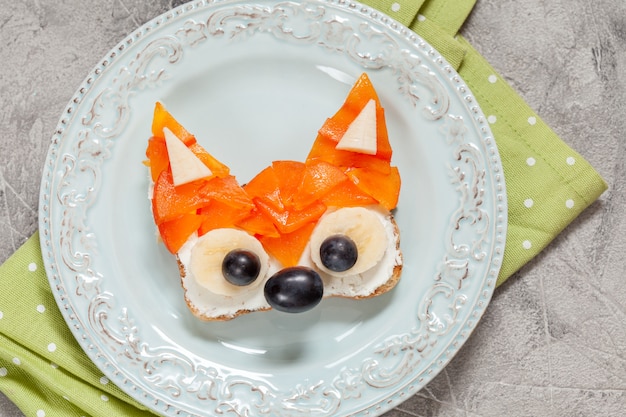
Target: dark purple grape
<point>241,267</point>
<point>338,253</point>
<point>294,290</point>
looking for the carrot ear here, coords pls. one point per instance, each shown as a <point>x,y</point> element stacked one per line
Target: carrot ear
<point>191,187</point>
<point>335,128</point>
<point>329,146</point>
<point>163,119</point>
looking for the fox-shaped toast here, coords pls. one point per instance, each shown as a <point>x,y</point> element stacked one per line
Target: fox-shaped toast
<point>295,233</point>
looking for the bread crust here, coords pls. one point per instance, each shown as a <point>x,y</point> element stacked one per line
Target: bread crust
<point>389,284</point>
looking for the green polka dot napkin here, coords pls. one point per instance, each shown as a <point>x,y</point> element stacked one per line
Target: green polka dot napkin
<point>548,183</point>
<point>42,367</point>
<point>44,371</point>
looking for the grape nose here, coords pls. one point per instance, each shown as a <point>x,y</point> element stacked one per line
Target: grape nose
<point>294,290</point>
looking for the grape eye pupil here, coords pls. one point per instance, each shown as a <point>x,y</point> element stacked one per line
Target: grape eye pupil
<point>338,253</point>
<point>241,267</point>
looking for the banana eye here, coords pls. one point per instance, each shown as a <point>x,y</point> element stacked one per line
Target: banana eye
<point>228,261</point>
<point>348,241</point>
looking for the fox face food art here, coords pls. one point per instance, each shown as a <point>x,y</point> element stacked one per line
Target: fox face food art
<point>295,233</point>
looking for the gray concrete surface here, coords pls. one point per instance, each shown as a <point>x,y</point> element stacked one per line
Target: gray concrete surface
<point>553,341</point>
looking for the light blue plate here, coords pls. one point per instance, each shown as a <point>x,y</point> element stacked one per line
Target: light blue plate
<point>254,82</point>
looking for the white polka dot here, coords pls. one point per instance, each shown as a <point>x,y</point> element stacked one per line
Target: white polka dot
<point>41,413</point>
<point>532,120</point>
<point>104,380</point>
<point>3,372</point>
<point>17,361</point>
<point>41,308</point>
<point>569,203</point>
<point>54,365</point>
<point>52,347</point>
<point>492,79</point>
<point>531,161</point>
<point>395,7</point>
<point>1,315</point>
<point>421,17</point>
<point>492,119</point>
<point>32,267</point>
<point>570,160</point>
<point>104,398</point>
<point>529,202</point>
<point>526,244</point>
<point>65,397</point>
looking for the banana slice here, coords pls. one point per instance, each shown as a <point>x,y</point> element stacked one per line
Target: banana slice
<point>361,135</point>
<point>209,252</point>
<point>186,166</point>
<point>359,224</point>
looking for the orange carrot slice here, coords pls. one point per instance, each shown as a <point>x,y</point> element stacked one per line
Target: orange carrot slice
<point>220,215</point>
<point>162,119</point>
<point>347,194</point>
<point>170,202</point>
<point>158,159</point>
<point>318,178</point>
<point>217,168</point>
<point>288,247</point>
<point>228,191</point>
<point>289,175</point>
<point>384,188</point>
<point>176,232</point>
<point>258,224</point>
<point>290,220</point>
<point>265,187</point>
<point>324,150</point>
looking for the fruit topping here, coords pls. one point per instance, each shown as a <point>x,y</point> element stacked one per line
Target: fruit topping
<point>185,165</point>
<point>358,224</point>
<point>335,128</point>
<point>384,188</point>
<point>209,258</point>
<point>290,220</point>
<point>294,289</point>
<point>170,202</point>
<point>241,267</point>
<point>163,119</point>
<point>217,215</point>
<point>217,168</point>
<point>175,233</point>
<point>158,160</point>
<point>347,194</point>
<point>338,253</point>
<point>318,178</point>
<point>287,248</point>
<point>361,134</point>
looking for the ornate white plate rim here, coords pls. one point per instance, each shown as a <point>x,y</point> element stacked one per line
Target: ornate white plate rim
<point>71,183</point>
